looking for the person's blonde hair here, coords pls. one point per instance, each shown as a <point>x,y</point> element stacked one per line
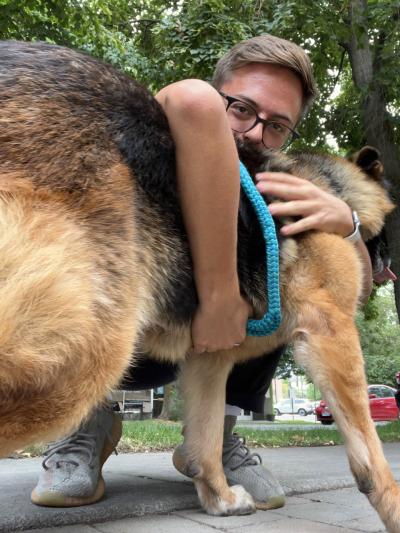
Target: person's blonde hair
<point>271,50</point>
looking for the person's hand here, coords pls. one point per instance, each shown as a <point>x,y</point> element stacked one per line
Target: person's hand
<point>220,323</point>
<point>317,209</point>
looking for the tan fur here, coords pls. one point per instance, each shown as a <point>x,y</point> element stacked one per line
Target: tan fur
<point>62,324</point>
<point>85,271</point>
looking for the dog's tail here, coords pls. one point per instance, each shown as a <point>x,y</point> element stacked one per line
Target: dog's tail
<point>63,341</point>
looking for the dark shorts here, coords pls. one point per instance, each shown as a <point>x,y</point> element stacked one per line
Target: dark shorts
<point>246,386</point>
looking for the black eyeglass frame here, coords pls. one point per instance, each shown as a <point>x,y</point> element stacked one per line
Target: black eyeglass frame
<point>294,134</point>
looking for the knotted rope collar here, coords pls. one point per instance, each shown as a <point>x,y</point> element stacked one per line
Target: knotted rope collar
<point>272,318</point>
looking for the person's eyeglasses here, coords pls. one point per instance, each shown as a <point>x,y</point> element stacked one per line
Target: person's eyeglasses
<point>243,118</point>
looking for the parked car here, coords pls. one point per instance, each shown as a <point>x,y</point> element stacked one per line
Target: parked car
<point>294,406</point>
<point>382,403</point>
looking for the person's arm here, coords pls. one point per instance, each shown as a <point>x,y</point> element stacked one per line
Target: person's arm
<point>317,210</point>
<point>208,181</point>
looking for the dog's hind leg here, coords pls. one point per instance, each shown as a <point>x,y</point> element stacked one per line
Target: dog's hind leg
<point>66,325</point>
<point>327,345</point>
<point>203,383</point>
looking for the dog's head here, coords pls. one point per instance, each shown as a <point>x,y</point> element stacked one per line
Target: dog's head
<point>368,160</point>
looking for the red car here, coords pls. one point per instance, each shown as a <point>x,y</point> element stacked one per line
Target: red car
<point>381,402</point>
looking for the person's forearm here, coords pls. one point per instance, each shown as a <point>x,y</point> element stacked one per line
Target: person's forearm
<point>208,181</point>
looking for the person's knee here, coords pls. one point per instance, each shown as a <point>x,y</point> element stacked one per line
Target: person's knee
<point>191,100</point>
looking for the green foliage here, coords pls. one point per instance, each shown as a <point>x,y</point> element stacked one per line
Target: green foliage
<point>176,406</point>
<point>161,41</point>
<point>380,339</point>
<point>371,308</point>
<point>287,365</point>
<point>313,393</point>
<point>188,42</point>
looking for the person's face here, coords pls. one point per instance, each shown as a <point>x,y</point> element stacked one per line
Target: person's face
<point>274,92</point>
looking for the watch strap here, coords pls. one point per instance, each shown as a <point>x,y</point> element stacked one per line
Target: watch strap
<point>356,235</point>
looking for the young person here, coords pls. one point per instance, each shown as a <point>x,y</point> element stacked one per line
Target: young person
<point>261,89</point>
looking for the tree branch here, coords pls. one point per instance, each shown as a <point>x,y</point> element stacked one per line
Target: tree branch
<point>340,69</point>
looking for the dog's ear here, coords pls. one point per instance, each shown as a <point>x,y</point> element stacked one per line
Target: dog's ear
<point>368,160</point>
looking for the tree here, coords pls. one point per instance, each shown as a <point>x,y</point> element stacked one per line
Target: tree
<point>167,402</point>
<point>379,336</point>
<point>101,27</point>
<point>380,339</point>
<point>374,57</point>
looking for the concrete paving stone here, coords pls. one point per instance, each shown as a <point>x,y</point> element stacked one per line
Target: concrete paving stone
<point>301,470</point>
<point>154,524</point>
<point>327,513</point>
<point>133,497</point>
<point>152,465</point>
<point>218,522</point>
<point>66,529</point>
<point>368,524</point>
<point>147,484</point>
<point>263,517</point>
<point>368,520</point>
<point>349,497</point>
<point>288,525</point>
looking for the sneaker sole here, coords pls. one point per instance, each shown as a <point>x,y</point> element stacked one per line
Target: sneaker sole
<point>57,499</point>
<point>272,503</point>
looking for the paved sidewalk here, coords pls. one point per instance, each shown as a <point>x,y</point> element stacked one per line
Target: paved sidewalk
<point>146,495</point>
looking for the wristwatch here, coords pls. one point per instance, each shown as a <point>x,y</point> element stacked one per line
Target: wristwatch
<point>356,235</point>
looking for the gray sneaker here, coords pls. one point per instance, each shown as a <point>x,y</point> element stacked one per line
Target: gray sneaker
<point>244,468</point>
<point>71,473</point>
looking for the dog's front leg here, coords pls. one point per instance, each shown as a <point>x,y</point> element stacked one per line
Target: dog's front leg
<point>203,382</point>
<point>327,345</point>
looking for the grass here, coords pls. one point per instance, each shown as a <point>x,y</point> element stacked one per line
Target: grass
<point>294,422</point>
<point>157,435</point>
<point>149,436</point>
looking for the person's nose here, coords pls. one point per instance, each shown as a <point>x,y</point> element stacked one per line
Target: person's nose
<point>255,135</point>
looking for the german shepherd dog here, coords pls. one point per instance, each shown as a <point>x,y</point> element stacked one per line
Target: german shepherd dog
<point>94,261</point>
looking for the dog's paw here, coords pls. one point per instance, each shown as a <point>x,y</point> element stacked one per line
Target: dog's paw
<point>242,503</point>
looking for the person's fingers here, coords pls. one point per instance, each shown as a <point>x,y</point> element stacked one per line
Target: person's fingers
<point>304,224</point>
<point>317,209</point>
<point>281,177</point>
<point>285,191</point>
<point>292,208</point>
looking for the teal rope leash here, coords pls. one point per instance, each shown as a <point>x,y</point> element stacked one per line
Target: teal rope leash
<point>272,319</point>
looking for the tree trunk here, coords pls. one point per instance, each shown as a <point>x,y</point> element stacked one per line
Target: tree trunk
<point>365,63</point>
<point>166,408</point>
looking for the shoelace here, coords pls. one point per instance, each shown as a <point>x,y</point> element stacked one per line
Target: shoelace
<point>78,442</point>
<point>236,445</point>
